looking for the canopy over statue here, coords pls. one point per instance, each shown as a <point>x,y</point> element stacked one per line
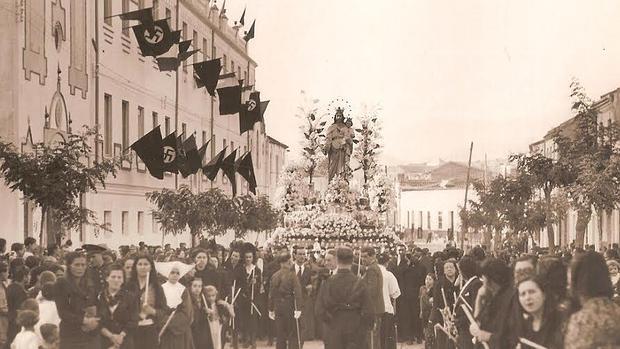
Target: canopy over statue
<point>339,145</point>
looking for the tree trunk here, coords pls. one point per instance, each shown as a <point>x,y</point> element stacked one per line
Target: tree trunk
<point>42,231</point>
<point>195,237</point>
<point>497,243</point>
<point>486,238</point>
<point>548,219</point>
<point>600,213</point>
<point>583,218</point>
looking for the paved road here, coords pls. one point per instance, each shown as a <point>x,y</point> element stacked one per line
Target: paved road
<point>319,345</point>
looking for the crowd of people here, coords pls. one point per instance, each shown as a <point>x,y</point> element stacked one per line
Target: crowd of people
<point>213,296</point>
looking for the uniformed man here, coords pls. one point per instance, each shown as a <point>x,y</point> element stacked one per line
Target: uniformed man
<point>344,305</point>
<point>284,295</point>
<point>96,269</point>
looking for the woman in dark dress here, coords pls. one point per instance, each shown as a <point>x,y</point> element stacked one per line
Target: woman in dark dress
<point>118,309</point>
<point>541,322</point>
<point>200,325</point>
<point>76,303</point>
<point>443,304</point>
<point>152,308</point>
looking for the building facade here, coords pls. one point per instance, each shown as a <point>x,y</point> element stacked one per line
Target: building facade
<point>70,63</point>
<point>608,107</point>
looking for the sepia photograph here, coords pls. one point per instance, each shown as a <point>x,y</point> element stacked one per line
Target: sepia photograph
<point>309,174</point>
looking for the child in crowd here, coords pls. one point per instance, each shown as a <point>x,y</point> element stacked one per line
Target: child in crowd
<point>218,313</point>
<point>27,338</point>
<point>49,336</point>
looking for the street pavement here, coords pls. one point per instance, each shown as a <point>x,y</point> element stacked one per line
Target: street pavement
<point>319,345</point>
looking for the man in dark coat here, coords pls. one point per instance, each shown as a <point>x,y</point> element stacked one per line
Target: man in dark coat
<point>304,273</point>
<point>373,280</point>
<point>284,293</point>
<point>410,275</point>
<point>344,305</point>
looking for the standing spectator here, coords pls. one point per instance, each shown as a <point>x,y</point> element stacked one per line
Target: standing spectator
<point>48,312</point>
<point>76,303</point>
<point>284,292</point>
<point>4,307</point>
<point>596,324</point>
<point>49,336</point>
<point>614,274</point>
<point>18,250</point>
<point>16,295</point>
<point>119,311</point>
<point>30,246</point>
<point>541,323</point>
<point>443,301</point>
<point>153,308</point>
<point>492,304</point>
<point>426,305</point>
<point>391,292</point>
<point>466,296</point>
<point>2,248</point>
<point>26,339</point>
<point>304,274</point>
<point>373,281</point>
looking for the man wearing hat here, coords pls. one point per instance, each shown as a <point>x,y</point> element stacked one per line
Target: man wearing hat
<point>96,268</point>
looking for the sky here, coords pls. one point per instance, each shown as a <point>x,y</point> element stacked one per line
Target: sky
<point>445,73</point>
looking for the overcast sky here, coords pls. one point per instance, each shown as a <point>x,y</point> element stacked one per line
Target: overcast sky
<point>494,72</point>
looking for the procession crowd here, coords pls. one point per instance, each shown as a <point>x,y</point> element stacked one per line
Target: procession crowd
<point>213,296</point>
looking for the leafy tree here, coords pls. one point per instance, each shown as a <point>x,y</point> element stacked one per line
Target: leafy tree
<point>368,146</point>
<point>485,211</point>
<point>547,175</point>
<point>210,211</point>
<point>591,155</point>
<point>54,176</point>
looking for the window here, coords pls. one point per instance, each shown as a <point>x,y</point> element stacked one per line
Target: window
<point>224,64</point>
<point>183,131</point>
<point>107,219</point>
<point>107,11</point>
<point>169,16</point>
<point>184,32</point>
<point>232,66</point>
<point>141,4</point>
<point>125,112</point>
<point>124,223</point>
<point>140,121</point>
<point>140,222</point>
<point>155,119</point>
<point>428,220</point>
<point>125,23</point>
<point>245,77</point>
<point>214,52</point>
<point>204,137</point>
<point>167,125</point>
<point>156,9</point>
<point>439,221</point>
<point>205,50</point>
<point>107,123</point>
<point>195,46</point>
<point>239,73</point>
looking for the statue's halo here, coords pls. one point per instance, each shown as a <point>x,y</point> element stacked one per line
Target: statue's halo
<point>339,102</point>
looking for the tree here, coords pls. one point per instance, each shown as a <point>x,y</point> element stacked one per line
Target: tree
<point>592,157</point>
<point>368,145</point>
<point>211,211</point>
<point>54,176</point>
<point>312,128</point>
<point>485,212</point>
<point>547,175</point>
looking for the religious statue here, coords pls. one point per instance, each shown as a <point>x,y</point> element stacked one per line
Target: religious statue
<point>339,145</point>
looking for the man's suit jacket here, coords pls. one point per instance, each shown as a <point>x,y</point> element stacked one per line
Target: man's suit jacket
<point>374,284</point>
<point>305,278</point>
